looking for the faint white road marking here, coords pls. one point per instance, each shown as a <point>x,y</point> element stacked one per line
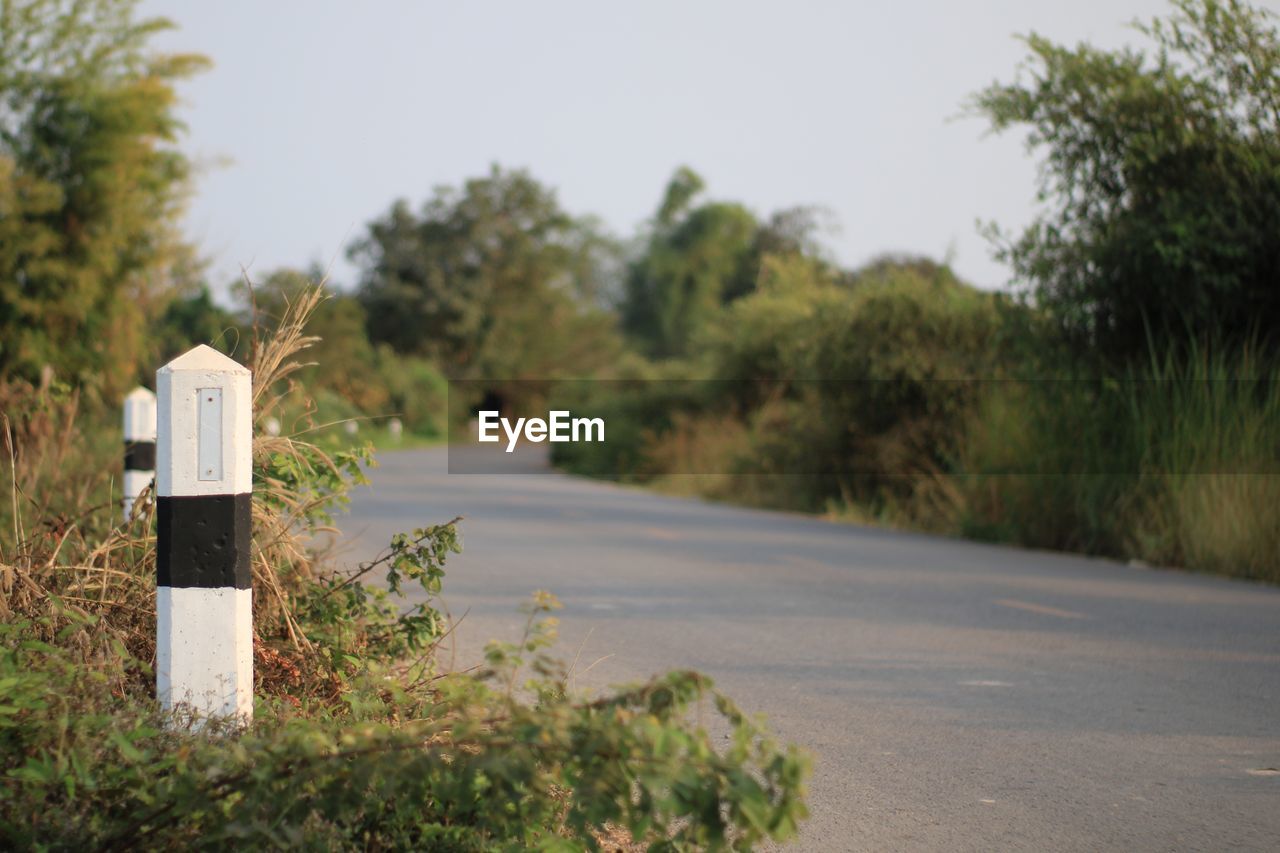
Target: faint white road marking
<point>1264,771</point>
<point>1039,608</point>
<point>986,684</point>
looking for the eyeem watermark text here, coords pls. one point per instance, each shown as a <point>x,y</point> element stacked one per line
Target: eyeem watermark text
<point>560,425</point>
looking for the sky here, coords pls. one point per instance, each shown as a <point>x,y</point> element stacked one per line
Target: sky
<point>317,116</point>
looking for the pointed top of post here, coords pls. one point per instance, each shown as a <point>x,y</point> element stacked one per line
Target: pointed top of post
<point>140,393</point>
<point>206,358</point>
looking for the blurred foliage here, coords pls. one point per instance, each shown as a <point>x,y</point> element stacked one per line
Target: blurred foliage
<point>349,381</point>
<point>850,385</point>
<point>897,394</point>
<point>90,188</point>
<point>1161,176</point>
<point>1177,463</point>
<point>1125,406</point>
<point>349,361</point>
<point>880,375</point>
<point>639,402</point>
<point>699,258</point>
<point>191,319</point>
<point>493,280</point>
<point>696,256</point>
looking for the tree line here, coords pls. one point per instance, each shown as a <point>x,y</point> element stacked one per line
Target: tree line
<point>1160,179</point>
<point>1154,257</point>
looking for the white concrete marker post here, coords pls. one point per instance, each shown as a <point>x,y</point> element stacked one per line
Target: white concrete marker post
<point>139,446</point>
<point>204,484</point>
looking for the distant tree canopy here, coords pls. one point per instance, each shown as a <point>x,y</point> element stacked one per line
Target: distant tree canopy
<point>342,359</point>
<point>494,280</point>
<point>194,318</point>
<point>698,259</point>
<point>90,185</point>
<point>1161,173</point>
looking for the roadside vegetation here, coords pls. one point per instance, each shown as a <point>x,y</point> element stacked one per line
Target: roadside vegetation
<point>1121,399</point>
<point>1122,385</point>
<point>362,738</point>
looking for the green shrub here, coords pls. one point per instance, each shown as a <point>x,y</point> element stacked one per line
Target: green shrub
<point>896,363</point>
<point>464,764</point>
<point>1049,464</point>
<point>848,389</point>
<point>417,392</point>
<point>637,406</point>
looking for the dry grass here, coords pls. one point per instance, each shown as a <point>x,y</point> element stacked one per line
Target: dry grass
<point>71,556</point>
<point>1226,523</point>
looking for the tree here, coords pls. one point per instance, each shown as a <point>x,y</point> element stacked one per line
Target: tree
<point>194,318</point>
<point>90,185</point>
<point>698,259</point>
<point>1161,173</point>
<point>494,280</point>
<point>342,360</point>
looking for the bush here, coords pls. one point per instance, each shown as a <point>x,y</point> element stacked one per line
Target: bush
<point>417,392</point>
<point>895,363</point>
<point>846,388</point>
<point>464,765</point>
<point>1160,178</point>
<point>637,409</point>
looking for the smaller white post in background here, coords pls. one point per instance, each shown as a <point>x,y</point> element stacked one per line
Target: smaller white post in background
<point>272,426</point>
<point>139,446</point>
<point>204,488</point>
<point>395,428</point>
<point>351,427</point>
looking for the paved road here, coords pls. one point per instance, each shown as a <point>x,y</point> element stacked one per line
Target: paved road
<point>955,696</point>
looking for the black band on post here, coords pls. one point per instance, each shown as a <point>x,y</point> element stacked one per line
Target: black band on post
<point>204,541</point>
<point>139,456</point>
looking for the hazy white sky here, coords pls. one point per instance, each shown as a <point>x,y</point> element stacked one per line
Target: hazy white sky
<point>317,115</point>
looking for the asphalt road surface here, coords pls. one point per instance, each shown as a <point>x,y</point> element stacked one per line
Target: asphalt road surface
<point>955,696</point>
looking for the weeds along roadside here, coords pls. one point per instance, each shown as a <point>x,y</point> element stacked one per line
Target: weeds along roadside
<point>1175,461</point>
<point>1178,467</point>
<point>360,740</point>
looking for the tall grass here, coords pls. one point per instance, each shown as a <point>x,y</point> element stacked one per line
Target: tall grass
<point>1177,464</point>
<point>1212,436</point>
<point>67,558</point>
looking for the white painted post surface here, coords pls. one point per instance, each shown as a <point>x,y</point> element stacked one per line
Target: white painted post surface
<point>139,445</point>
<point>204,485</point>
<point>396,428</point>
